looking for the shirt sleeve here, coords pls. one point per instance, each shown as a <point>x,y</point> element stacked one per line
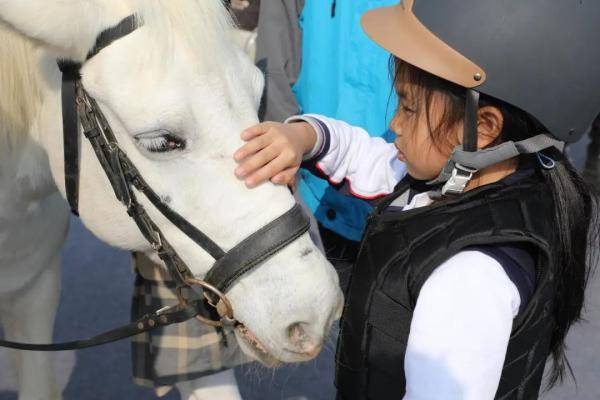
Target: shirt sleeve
<point>347,155</point>
<point>460,330</point>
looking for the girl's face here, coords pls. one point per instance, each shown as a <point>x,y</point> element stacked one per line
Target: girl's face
<point>424,158</point>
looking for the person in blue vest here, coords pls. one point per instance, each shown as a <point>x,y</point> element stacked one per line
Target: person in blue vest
<point>353,80</point>
<point>475,261</point>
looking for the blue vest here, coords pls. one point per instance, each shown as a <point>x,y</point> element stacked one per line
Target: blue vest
<point>344,75</point>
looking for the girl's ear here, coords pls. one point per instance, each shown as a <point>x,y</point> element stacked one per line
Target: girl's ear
<point>490,122</point>
<point>68,27</point>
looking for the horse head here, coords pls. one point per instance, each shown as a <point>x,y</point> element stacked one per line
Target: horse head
<point>177,92</point>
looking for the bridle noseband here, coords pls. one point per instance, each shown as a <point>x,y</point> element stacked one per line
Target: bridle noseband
<point>214,309</point>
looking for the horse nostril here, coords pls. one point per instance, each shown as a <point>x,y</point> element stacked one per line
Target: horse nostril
<point>300,338</point>
<point>297,333</point>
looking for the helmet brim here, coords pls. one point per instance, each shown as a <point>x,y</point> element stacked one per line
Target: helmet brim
<point>400,32</point>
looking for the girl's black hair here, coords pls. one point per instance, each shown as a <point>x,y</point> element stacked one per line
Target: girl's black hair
<point>575,202</point>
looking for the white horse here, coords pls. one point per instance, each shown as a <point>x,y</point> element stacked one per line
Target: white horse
<point>179,74</point>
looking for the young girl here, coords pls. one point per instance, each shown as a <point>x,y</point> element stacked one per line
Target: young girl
<point>473,266</point>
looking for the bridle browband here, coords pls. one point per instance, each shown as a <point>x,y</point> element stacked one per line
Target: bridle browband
<point>214,308</point>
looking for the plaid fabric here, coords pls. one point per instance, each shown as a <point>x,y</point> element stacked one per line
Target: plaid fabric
<point>179,352</point>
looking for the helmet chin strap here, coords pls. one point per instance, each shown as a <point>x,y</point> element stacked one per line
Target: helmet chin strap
<point>470,128</point>
<point>461,175</point>
<point>466,160</point>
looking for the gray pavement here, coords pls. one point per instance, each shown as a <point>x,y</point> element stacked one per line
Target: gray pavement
<point>97,283</point>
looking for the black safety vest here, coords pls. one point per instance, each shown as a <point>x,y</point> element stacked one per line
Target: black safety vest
<point>401,249</point>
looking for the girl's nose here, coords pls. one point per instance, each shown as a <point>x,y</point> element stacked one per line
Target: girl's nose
<point>396,126</point>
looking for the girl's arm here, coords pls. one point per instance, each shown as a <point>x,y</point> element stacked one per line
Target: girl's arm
<point>460,330</point>
<point>346,154</point>
<point>339,152</point>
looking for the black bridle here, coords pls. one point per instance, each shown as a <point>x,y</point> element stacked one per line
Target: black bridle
<point>214,308</point>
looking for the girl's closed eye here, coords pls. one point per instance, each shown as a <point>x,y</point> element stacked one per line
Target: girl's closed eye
<point>408,109</point>
<point>406,104</point>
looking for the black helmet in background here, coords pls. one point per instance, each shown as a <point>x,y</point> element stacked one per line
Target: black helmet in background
<point>542,56</point>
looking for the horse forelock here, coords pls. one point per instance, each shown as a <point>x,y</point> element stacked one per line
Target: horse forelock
<point>203,26</point>
<point>20,90</point>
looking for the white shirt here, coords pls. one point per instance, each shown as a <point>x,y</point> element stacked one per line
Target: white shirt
<point>464,313</point>
<point>460,329</point>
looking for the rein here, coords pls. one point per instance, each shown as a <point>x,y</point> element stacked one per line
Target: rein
<point>214,309</point>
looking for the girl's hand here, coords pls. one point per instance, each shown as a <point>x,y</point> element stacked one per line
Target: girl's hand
<point>274,152</point>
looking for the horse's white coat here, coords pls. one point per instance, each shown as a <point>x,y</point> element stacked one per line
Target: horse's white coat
<point>179,72</point>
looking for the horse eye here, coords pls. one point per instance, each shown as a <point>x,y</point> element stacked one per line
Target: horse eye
<point>161,141</point>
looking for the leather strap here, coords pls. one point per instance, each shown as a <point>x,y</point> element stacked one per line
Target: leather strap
<point>144,324</point>
<point>107,37</point>
<point>175,218</point>
<point>70,76</point>
<point>258,247</point>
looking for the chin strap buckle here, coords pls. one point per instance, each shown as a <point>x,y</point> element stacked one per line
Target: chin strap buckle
<point>460,178</point>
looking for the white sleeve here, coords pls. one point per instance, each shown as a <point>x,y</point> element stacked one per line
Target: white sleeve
<point>370,165</point>
<point>460,330</point>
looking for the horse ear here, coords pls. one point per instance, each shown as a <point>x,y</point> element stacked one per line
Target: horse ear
<point>69,27</point>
